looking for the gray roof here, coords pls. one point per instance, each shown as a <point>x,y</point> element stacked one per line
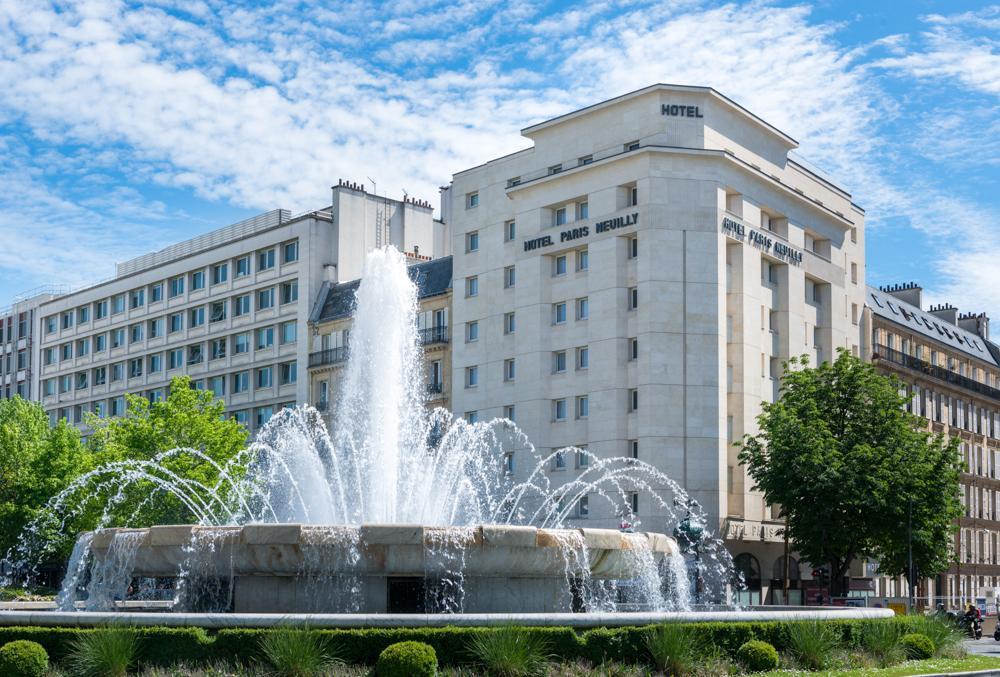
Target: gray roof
<point>891,308</point>
<point>336,301</point>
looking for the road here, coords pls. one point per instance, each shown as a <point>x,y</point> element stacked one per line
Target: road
<point>986,646</point>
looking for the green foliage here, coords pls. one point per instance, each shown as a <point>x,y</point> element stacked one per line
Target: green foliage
<point>298,652</point>
<point>757,656</point>
<point>917,646</point>
<point>673,648</point>
<point>510,651</point>
<point>811,643</point>
<point>36,462</point>
<point>105,652</point>
<point>881,642</point>
<point>187,418</point>
<point>947,637</point>
<point>23,658</point>
<point>844,459</point>
<point>407,659</point>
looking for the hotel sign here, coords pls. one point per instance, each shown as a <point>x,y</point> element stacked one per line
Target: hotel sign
<point>761,240</point>
<point>571,234</point>
<point>676,111</point>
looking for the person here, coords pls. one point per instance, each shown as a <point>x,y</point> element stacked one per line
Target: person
<point>972,612</point>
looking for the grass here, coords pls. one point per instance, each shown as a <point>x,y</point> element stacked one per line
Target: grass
<point>881,642</point>
<point>946,636</point>
<point>29,594</point>
<point>812,644</point>
<point>928,667</point>
<point>298,652</point>
<point>674,648</point>
<point>106,652</point>
<point>508,652</point>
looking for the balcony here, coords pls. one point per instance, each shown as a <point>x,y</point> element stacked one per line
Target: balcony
<point>432,335</point>
<point>896,357</point>
<point>435,388</point>
<point>328,356</point>
<point>323,406</point>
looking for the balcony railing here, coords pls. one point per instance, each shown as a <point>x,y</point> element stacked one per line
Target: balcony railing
<point>940,373</point>
<point>434,388</point>
<point>438,334</point>
<point>328,356</point>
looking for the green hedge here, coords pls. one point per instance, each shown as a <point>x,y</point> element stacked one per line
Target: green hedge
<point>166,646</point>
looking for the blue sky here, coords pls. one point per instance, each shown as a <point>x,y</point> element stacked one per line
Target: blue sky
<point>125,126</point>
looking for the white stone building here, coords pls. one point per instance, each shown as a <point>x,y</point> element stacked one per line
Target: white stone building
<point>632,282</point>
<point>18,330</point>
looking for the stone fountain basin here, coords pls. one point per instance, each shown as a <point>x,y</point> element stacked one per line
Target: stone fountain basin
<point>488,551</point>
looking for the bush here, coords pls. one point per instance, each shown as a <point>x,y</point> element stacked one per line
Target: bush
<point>105,652</point>
<point>881,641</point>
<point>812,643</point>
<point>672,648</point>
<point>510,652</point>
<point>407,659</point>
<point>757,656</point>
<point>917,646</point>
<point>22,658</point>
<point>947,637</point>
<point>298,652</point>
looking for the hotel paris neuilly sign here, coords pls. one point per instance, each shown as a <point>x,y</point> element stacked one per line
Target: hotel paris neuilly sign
<point>737,230</point>
<point>571,234</point>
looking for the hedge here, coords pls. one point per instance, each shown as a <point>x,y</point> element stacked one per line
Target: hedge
<point>164,646</point>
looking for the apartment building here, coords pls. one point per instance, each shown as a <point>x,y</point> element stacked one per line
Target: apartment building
<point>330,331</point>
<point>18,323</point>
<point>228,308</point>
<point>951,370</point>
<point>632,282</point>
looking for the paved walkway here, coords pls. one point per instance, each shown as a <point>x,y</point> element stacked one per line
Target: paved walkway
<point>987,646</point>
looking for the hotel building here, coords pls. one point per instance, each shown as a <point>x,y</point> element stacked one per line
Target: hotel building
<point>18,329</point>
<point>229,308</point>
<point>951,371</point>
<point>632,282</point>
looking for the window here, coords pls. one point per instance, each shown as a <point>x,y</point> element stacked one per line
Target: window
<point>197,317</point>
<point>265,298</point>
<point>117,338</point>
<point>509,324</point>
<point>582,406</point>
<point>582,210</point>
<point>100,343</point>
<point>472,200</point>
<point>265,338</point>
<point>582,260</point>
<point>67,352</point>
<point>508,463</point>
<point>559,409</point>
<point>559,461</point>
<point>135,367</point>
<point>265,260</point>
<point>583,357</point>
<point>509,412</point>
<point>118,304</point>
<point>218,349</point>
<point>290,291</point>
<point>241,382</point>
<point>118,371</point>
<point>117,406</point>
<point>854,273</point>
<point>585,160</point>
<point>241,343</point>
<point>471,377</point>
<point>81,380</point>
<point>633,247</point>
<point>560,217</point>
<point>509,369</point>
<point>472,286</point>
<point>559,313</point>
<point>242,417</point>
<point>817,293</point>
<point>854,313</point>
<point>633,349</point>
<point>289,332</point>
<point>50,356</point>
<point>509,277</point>
<point>156,328</point>
<point>243,266</point>
<point>559,361</point>
<point>633,502</point>
<point>472,331</point>
<point>472,241</point>
<point>633,298</point>
<point>82,347</point>
<point>559,265</point>
<point>289,373</point>
<point>82,315</point>
<point>176,322</point>
<point>217,384</point>
<point>195,354</point>
<point>264,415</point>
<point>176,287</point>
<point>632,145</point>
<point>137,299</point>
<point>155,363</point>
<point>770,273</point>
<point>67,319</point>
<point>290,252</point>
<point>633,448</point>
<point>263,379</point>
<point>100,310</point>
<point>633,399</point>
<point>51,324</point>
<point>135,333</point>
<point>197,280</point>
<point>65,384</point>
<point>218,311</point>
<point>49,387</point>
<point>583,507</point>
<point>241,305</point>
<point>156,292</point>
<point>175,358</point>
<point>220,273</point>
<point>555,169</point>
<point>509,231</point>
<point>633,196</point>
<point>582,308</point>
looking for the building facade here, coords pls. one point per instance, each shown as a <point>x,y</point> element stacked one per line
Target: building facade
<point>951,370</point>
<point>632,282</point>
<point>228,308</point>
<point>18,331</point>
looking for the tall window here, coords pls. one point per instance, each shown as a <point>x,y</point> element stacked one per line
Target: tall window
<point>582,406</point>
<point>156,292</point>
<point>508,277</point>
<point>472,286</point>
<point>241,305</point>
<point>243,266</point>
<point>471,377</point>
<point>265,298</point>
<point>559,313</point>
<point>265,260</point>
<point>559,409</point>
<point>290,252</point>
<point>509,369</point>
<point>472,331</point>
<point>582,308</point>
<point>137,298</point>
<point>472,241</point>
<point>220,273</point>
<point>633,298</point>
<point>509,231</point>
<point>583,357</point>
<point>509,323</point>
<point>290,291</point>
<point>176,286</point>
<point>559,265</point>
<point>197,280</point>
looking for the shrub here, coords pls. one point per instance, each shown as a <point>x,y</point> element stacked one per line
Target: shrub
<point>407,659</point>
<point>22,658</point>
<point>881,641</point>
<point>105,652</point>
<point>510,652</point>
<point>298,652</point>
<point>757,656</point>
<point>672,648</point>
<point>811,643</point>
<point>947,637</point>
<point>917,646</point>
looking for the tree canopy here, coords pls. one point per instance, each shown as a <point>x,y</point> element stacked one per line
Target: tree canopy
<point>846,462</point>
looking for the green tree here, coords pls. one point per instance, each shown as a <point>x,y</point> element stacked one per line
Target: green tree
<point>845,461</point>
<point>187,418</point>
<point>36,463</point>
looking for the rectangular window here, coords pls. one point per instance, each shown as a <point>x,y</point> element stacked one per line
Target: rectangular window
<point>100,310</point>
<point>263,378</point>
<point>176,322</point>
<point>156,328</point>
<point>472,286</point>
<point>583,357</point>
<point>217,384</point>
<point>632,145</point>
<point>472,331</point>
<point>559,410</point>
<point>265,260</point>
<point>509,277</point>
<point>559,313</point>
<point>67,352</point>
<point>560,217</point>
<point>471,377</point>
<point>241,305</point>
<point>290,291</point>
<point>472,200</point>
<point>197,317</point>
<point>585,160</point>
<point>135,367</point>
<point>559,265</point>
<point>472,241</point>
<point>118,304</point>
<point>220,273</point>
<point>117,338</point>
<point>633,196</point>
<point>137,298</point>
<point>65,384</point>
<point>583,507</point>
<point>100,343</point>
<point>218,311</point>
<point>582,308</point>
<point>155,364</point>
<point>509,412</point>
<point>633,399</point>
<point>196,354</point>
<point>135,333</point>
<point>218,349</point>
<point>582,457</point>
<point>156,292</point>
<point>289,332</point>
<point>175,358</point>
<point>81,380</point>
<point>582,210</point>
<point>243,266</point>
<point>559,463</point>
<point>509,369</point>
<point>82,315</point>
<point>265,338</point>
<point>508,462</point>
<point>289,373</point>
<point>82,347</point>
<point>633,247</point>
<point>50,387</point>
<point>510,231</point>
<point>290,252</point>
<point>817,293</point>
<point>118,371</point>
<point>582,260</point>
<point>197,280</point>
<point>509,324</point>
<point>241,382</point>
<point>633,298</point>
<point>176,287</point>
<point>265,298</point>
<point>633,349</point>
<point>554,169</point>
<point>50,356</point>
<point>241,343</point>
<point>633,448</point>
<point>264,415</point>
<point>67,320</point>
<point>559,361</point>
<point>51,324</point>
<point>582,406</point>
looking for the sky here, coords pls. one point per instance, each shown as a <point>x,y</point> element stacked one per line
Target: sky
<point>127,126</point>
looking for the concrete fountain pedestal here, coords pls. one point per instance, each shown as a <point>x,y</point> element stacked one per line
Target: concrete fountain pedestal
<point>298,568</point>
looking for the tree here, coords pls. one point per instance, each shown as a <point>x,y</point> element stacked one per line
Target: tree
<point>36,462</point>
<point>845,461</point>
<point>187,418</point>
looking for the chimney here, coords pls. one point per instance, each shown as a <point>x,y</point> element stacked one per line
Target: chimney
<point>330,272</point>
<point>908,292</point>
<point>975,323</point>
<point>946,312</point>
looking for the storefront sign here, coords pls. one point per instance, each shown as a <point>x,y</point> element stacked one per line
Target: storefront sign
<point>748,530</point>
<point>676,111</point>
<point>761,240</point>
<point>571,234</point>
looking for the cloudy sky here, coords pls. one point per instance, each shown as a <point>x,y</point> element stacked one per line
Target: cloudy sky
<point>125,126</point>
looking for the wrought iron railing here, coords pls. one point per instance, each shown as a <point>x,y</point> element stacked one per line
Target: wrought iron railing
<point>935,371</point>
<point>437,334</point>
<point>328,356</point>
